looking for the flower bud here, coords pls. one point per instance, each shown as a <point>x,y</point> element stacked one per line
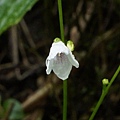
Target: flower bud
<point>105,81</point>
<point>70,45</point>
<point>57,40</point>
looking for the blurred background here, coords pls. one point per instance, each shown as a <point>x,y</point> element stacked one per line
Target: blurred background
<point>94,27</point>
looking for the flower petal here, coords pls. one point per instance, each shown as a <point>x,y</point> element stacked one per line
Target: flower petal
<point>72,60</point>
<point>49,65</point>
<point>62,67</point>
<point>58,47</point>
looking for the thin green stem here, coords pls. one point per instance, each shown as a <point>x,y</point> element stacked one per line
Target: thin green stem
<point>65,100</point>
<point>97,106</point>
<point>104,93</point>
<point>61,19</point>
<point>64,81</point>
<point>113,78</point>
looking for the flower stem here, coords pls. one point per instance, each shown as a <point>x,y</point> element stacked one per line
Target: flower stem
<point>64,81</point>
<point>104,93</point>
<point>61,19</point>
<point>65,100</point>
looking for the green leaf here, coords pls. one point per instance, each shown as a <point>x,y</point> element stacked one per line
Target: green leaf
<point>14,108</point>
<point>12,11</point>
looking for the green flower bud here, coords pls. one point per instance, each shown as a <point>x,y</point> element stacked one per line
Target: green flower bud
<point>57,39</point>
<point>105,81</point>
<point>70,45</point>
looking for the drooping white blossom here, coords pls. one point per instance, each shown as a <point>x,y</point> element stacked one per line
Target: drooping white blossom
<point>60,60</point>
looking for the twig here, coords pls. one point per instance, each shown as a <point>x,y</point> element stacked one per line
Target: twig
<point>28,72</point>
<point>14,44</point>
<point>6,66</point>
<point>23,53</point>
<point>36,114</point>
<point>40,95</point>
<point>104,37</point>
<point>27,34</point>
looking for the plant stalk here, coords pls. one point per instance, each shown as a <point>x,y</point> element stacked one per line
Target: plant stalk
<point>104,93</point>
<point>64,81</point>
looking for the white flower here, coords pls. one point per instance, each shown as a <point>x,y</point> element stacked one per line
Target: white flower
<point>60,60</point>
